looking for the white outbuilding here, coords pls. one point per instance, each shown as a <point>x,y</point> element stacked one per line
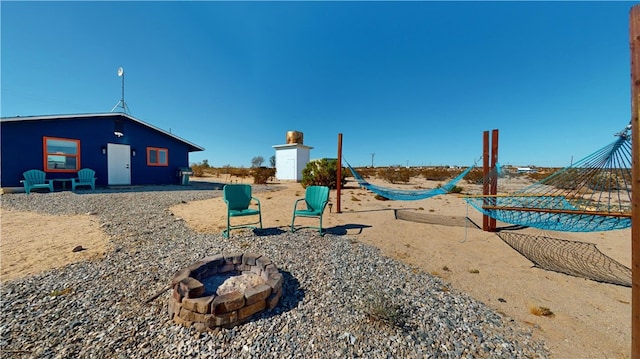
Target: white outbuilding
<point>292,157</point>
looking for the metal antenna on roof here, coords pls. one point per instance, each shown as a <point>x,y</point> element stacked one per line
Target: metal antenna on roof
<point>121,103</point>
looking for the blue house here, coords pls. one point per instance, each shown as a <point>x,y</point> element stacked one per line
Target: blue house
<point>120,148</point>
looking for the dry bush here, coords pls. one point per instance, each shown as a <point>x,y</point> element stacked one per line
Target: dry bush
<point>438,173</point>
<point>395,174</point>
<point>381,309</point>
<point>540,311</point>
<point>262,175</point>
<point>475,176</point>
<point>365,172</point>
<point>240,172</point>
<point>541,174</point>
<point>198,170</point>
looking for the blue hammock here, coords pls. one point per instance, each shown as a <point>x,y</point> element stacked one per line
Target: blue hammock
<point>408,195</point>
<point>592,195</point>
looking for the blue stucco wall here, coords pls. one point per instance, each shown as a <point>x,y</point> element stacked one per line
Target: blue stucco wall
<point>21,148</point>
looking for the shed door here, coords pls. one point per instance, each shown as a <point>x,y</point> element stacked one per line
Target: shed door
<point>119,164</point>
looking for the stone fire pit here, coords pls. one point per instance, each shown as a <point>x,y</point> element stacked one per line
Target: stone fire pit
<point>224,290</point>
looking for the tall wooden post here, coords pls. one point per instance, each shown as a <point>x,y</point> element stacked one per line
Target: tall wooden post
<point>339,174</point>
<point>634,39</point>
<point>490,177</point>
<point>494,175</point>
<point>485,175</point>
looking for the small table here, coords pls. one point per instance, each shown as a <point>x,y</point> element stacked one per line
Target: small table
<point>63,180</point>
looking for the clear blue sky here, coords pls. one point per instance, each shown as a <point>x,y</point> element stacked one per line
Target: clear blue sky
<point>414,83</point>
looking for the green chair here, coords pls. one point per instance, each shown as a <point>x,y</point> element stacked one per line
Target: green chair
<point>34,179</point>
<point>316,199</point>
<point>238,199</point>
<point>86,177</point>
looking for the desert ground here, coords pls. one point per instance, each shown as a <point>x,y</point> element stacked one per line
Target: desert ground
<point>576,317</point>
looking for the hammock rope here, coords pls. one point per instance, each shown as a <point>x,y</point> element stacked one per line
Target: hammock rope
<point>574,258</point>
<point>594,194</point>
<point>408,195</point>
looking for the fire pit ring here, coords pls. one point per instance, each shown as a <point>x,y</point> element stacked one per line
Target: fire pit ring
<point>224,290</point>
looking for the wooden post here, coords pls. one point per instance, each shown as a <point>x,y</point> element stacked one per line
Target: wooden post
<point>339,174</point>
<point>494,175</point>
<point>634,39</point>
<point>485,175</point>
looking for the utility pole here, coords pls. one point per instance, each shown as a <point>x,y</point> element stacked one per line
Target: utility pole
<point>373,154</point>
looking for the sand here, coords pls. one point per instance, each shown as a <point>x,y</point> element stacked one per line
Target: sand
<point>31,243</point>
<point>590,319</point>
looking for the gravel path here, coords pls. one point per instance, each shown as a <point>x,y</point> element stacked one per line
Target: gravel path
<point>340,298</point>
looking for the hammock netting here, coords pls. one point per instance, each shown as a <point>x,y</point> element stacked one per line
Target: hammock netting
<point>408,195</point>
<point>578,259</point>
<point>592,195</point>
<point>574,258</point>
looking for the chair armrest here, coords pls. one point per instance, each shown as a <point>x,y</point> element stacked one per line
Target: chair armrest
<point>295,204</point>
<point>258,202</point>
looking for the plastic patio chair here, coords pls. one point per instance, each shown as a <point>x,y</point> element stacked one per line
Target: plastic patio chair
<point>316,199</point>
<point>238,199</point>
<point>36,179</point>
<point>86,177</point>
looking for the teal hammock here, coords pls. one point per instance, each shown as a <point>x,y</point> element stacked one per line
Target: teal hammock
<point>407,195</point>
<point>592,195</point>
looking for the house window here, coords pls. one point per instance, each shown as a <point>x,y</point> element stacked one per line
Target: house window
<point>157,156</point>
<point>61,154</point>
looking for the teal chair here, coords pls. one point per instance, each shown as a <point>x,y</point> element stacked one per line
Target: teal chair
<point>238,199</point>
<point>316,199</point>
<point>86,177</point>
<point>36,179</point>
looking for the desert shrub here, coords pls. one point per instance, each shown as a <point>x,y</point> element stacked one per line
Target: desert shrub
<point>322,172</point>
<point>568,180</point>
<point>382,309</point>
<point>454,189</point>
<point>199,169</point>
<point>540,175</point>
<point>395,174</point>
<point>475,176</point>
<point>261,175</point>
<point>234,171</point>
<point>606,181</point>
<point>438,173</point>
<point>366,172</point>
<point>239,172</point>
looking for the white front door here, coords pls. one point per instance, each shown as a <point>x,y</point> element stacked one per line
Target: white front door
<point>118,164</point>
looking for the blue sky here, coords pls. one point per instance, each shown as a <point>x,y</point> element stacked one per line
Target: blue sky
<point>414,83</point>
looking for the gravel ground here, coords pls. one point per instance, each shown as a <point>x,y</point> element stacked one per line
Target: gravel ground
<point>340,298</point>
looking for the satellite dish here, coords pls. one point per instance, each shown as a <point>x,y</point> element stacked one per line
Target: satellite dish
<point>120,71</point>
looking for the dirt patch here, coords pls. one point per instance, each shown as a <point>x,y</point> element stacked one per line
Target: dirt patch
<point>31,243</point>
